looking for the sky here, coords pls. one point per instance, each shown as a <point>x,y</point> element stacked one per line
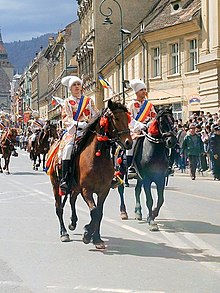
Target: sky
<point>24,19</point>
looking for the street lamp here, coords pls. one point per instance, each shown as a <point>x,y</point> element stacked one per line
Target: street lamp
<point>107,21</point>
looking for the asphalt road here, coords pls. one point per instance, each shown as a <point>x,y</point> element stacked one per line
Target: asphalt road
<point>184,256</point>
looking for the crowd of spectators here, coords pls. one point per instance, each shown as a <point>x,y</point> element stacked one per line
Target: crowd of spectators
<point>207,128</point>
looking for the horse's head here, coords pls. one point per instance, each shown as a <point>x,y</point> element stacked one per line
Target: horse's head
<point>49,130</point>
<point>11,134</point>
<point>165,121</point>
<point>118,119</point>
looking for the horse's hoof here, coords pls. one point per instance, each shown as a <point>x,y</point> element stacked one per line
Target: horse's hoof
<point>124,216</point>
<point>1,171</point>
<point>36,169</point>
<point>153,226</point>
<point>8,173</point>
<point>100,245</point>
<point>72,227</point>
<point>86,240</point>
<point>138,217</point>
<point>65,238</point>
<point>86,237</point>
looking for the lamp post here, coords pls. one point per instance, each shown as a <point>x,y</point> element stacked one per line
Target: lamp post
<point>107,21</point>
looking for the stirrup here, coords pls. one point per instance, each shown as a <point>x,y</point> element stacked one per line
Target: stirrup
<point>116,181</point>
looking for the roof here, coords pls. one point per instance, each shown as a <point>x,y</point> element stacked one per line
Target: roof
<point>162,16</point>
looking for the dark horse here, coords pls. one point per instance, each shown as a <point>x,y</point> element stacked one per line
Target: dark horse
<point>7,143</point>
<point>94,169</point>
<point>151,162</point>
<point>44,140</point>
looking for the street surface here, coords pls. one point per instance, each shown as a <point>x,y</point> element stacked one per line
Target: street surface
<point>184,256</point>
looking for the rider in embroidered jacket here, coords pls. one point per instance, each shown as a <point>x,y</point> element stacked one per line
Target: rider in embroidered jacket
<point>4,125</point>
<point>141,112</point>
<point>36,126</point>
<point>77,112</point>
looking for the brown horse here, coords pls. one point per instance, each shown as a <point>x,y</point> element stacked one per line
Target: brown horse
<point>7,143</point>
<point>94,169</point>
<point>44,140</point>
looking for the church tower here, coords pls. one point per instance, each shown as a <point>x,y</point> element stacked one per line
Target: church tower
<point>6,75</point>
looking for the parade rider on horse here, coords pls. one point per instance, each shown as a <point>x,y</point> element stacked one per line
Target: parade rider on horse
<point>77,111</point>
<point>4,125</point>
<point>36,126</point>
<point>142,112</point>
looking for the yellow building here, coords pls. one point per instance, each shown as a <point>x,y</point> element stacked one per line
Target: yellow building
<point>169,52</point>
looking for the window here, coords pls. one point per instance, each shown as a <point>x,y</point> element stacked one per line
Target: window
<point>174,58</point>
<point>140,57</point>
<point>156,62</point>
<point>177,111</point>
<point>193,54</point>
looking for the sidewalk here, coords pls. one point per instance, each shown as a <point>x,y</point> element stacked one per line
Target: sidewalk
<point>185,173</point>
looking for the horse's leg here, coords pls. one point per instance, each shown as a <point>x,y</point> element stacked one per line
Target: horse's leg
<point>6,167</point>
<point>44,160</point>
<point>74,218</point>
<point>89,228</point>
<point>137,211</point>
<point>59,204</point>
<point>1,171</point>
<point>124,215</point>
<point>96,215</point>
<point>160,192</point>
<point>39,161</point>
<point>149,202</point>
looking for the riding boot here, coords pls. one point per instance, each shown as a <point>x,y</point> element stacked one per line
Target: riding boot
<point>65,174</point>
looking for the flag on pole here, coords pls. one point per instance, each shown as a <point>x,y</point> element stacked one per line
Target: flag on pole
<point>105,84</point>
<point>57,101</point>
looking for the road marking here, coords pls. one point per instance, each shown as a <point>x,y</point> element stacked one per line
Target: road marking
<point>195,195</point>
<point>100,289</point>
<point>188,241</point>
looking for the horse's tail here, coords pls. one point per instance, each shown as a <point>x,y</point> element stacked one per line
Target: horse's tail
<point>50,158</point>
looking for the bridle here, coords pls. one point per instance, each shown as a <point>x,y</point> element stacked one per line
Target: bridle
<point>106,121</point>
<point>110,115</point>
<point>163,134</point>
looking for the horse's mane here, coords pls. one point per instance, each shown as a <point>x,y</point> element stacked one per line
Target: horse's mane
<point>162,111</point>
<point>113,106</point>
<point>88,130</point>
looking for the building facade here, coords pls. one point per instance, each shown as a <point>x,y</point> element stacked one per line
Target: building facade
<point>168,51</point>
<point>97,44</point>
<point>6,75</point>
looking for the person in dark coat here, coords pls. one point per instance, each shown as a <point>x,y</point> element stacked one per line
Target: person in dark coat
<point>193,146</point>
<point>215,150</point>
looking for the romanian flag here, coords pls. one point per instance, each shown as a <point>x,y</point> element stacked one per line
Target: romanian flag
<point>81,107</point>
<point>144,111</point>
<point>57,101</point>
<point>104,83</point>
